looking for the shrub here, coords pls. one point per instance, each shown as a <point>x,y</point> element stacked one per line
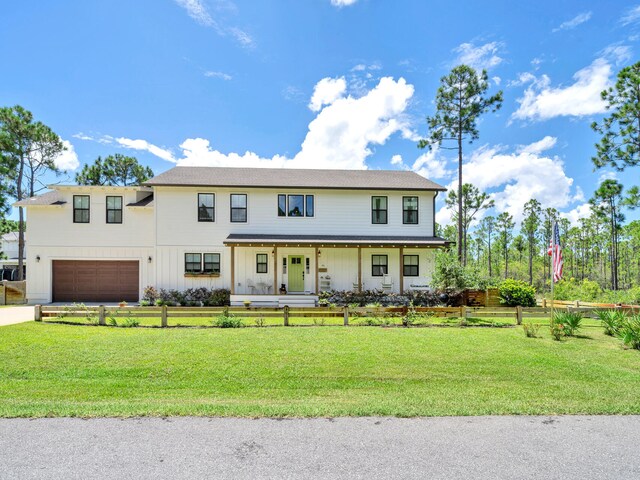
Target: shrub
<point>227,320</point>
<point>531,329</point>
<point>411,317</point>
<point>611,320</point>
<point>259,321</point>
<point>450,274</point>
<point>112,322</point>
<point>150,294</point>
<point>130,322</point>
<point>629,332</point>
<point>419,298</point>
<point>570,321</point>
<point>220,297</point>
<point>517,292</point>
<point>145,303</point>
<point>557,331</point>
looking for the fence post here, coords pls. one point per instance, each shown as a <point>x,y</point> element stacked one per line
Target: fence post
<point>164,315</point>
<point>286,315</point>
<point>346,315</point>
<point>462,312</point>
<point>102,320</point>
<point>37,313</point>
<point>577,303</point>
<point>519,315</point>
<point>544,303</point>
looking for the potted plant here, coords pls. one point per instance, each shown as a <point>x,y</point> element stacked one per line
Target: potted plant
<point>122,304</point>
<point>283,289</point>
<point>247,303</point>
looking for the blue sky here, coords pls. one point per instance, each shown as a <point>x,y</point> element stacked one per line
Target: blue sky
<point>323,83</point>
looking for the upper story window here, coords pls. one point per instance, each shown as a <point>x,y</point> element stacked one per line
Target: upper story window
<point>206,207</point>
<point>296,205</point>
<point>239,207</point>
<point>410,210</point>
<point>114,209</point>
<point>410,265</point>
<point>81,209</point>
<point>379,210</point>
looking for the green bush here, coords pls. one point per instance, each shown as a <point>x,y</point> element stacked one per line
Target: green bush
<point>571,322</point>
<point>611,320</point>
<point>449,274</point>
<point>517,292</point>
<point>227,320</point>
<point>531,329</point>
<point>629,332</point>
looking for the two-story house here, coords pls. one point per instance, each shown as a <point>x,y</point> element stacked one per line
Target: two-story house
<point>265,234</point>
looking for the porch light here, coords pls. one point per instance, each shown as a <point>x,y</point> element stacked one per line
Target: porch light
<point>149,259</point>
<point>37,258</point>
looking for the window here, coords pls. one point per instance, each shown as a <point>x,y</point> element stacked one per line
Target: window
<point>81,209</point>
<point>192,262</point>
<point>379,265</point>
<point>238,207</point>
<point>114,209</point>
<point>410,210</point>
<point>261,263</point>
<point>378,210</point>
<point>296,205</point>
<point>309,201</point>
<point>211,263</point>
<point>307,264</point>
<point>284,264</point>
<point>410,265</point>
<point>206,207</point>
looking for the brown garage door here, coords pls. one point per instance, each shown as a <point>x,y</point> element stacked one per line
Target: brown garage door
<point>95,281</point>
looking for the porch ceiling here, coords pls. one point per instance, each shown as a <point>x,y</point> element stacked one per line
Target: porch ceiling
<point>256,240</point>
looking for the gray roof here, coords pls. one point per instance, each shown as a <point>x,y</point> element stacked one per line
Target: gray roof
<point>145,202</point>
<point>248,238</point>
<point>49,198</point>
<point>294,178</point>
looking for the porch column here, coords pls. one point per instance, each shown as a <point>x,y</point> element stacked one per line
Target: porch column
<point>275,269</point>
<point>233,270</point>
<point>317,274</point>
<point>359,269</point>
<point>401,261</point>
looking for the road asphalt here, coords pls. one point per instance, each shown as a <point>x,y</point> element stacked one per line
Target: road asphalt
<point>576,447</point>
<point>11,315</point>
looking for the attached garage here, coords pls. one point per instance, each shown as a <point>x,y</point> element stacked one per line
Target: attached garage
<point>95,280</point>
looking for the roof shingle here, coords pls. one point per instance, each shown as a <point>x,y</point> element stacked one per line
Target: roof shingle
<point>294,178</point>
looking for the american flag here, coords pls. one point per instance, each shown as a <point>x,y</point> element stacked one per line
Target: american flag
<point>556,256</point>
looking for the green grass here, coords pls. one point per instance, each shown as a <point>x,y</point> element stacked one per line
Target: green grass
<point>64,370</point>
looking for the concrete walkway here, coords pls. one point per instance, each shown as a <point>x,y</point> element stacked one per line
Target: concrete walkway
<point>580,447</point>
<point>12,315</point>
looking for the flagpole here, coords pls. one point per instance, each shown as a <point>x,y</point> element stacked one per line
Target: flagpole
<point>553,253</point>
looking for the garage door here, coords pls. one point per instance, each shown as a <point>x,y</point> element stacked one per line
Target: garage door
<point>95,281</point>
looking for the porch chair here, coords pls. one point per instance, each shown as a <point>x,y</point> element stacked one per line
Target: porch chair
<point>387,283</point>
<point>251,287</point>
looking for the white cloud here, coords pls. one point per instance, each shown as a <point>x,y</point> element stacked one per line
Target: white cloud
<point>146,146</point>
<point>341,136</point>
<point>431,166</point>
<point>617,53</point>
<point>342,3</point>
<point>67,160</point>
<point>607,175</point>
<point>396,160</point>
<point>479,57</point>
<point>221,75</point>
<point>541,101</point>
<point>540,146</point>
<point>497,80</point>
<point>581,211</point>
<point>197,10</point>
<point>574,22</point>
<point>327,91</point>
<point>513,178</point>
<point>631,16</point>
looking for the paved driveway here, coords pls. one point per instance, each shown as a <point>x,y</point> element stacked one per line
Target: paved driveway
<point>11,315</point>
<point>564,448</point>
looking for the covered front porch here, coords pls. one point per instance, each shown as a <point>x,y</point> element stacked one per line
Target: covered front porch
<point>268,268</point>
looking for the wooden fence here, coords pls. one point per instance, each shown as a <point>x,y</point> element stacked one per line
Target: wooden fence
<point>12,293</point>
<point>164,314</point>
<point>482,298</point>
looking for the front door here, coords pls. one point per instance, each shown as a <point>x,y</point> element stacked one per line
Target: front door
<point>296,273</point>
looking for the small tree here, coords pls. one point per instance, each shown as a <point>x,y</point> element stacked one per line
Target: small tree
<point>620,142</point>
<point>473,201</point>
<point>114,170</point>
<point>460,101</point>
<point>530,227</point>
<point>28,150</point>
<point>486,232</point>
<point>504,225</point>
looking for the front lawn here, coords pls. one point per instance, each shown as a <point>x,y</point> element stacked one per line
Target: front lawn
<point>63,370</point>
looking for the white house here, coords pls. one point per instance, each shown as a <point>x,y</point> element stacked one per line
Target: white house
<point>253,231</point>
<point>9,256</point>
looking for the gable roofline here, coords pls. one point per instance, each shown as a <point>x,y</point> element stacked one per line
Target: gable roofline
<point>281,178</point>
